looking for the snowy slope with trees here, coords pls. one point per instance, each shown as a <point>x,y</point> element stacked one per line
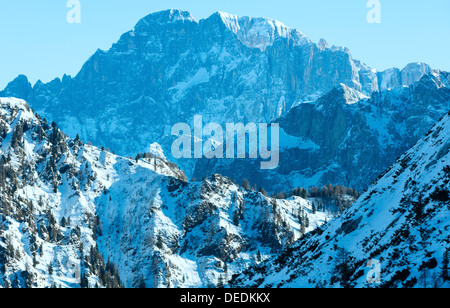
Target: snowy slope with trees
<point>75,215</point>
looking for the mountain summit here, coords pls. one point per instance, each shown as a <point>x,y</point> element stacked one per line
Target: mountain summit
<point>167,16</point>
<point>260,32</point>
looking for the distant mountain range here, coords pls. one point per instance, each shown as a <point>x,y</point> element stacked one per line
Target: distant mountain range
<point>228,69</point>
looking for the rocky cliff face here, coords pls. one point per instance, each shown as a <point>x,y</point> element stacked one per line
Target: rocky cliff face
<point>394,78</point>
<point>395,235</point>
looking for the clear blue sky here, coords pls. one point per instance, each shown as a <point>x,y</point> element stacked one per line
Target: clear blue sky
<point>37,41</point>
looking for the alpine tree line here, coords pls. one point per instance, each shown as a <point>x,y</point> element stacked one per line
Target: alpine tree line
<point>332,198</point>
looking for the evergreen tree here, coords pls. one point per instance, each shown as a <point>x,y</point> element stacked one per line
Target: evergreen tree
<point>221,282</point>
<point>236,218</point>
<point>17,136</point>
<point>258,256</point>
<point>304,194</point>
<point>84,282</point>
<point>142,284</point>
<point>63,222</point>
<point>444,268</point>
<point>302,229</point>
<point>225,270</point>
<point>418,208</point>
<point>40,133</point>
<point>342,267</point>
<point>245,184</point>
<point>28,279</point>
<point>263,191</point>
<point>159,241</point>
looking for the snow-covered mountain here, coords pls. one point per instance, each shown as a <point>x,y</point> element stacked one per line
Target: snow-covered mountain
<point>71,213</point>
<point>394,78</point>
<point>170,67</point>
<point>232,69</point>
<point>345,137</point>
<point>395,235</point>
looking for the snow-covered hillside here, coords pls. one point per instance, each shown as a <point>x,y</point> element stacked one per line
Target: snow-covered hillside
<point>402,224</point>
<point>72,213</point>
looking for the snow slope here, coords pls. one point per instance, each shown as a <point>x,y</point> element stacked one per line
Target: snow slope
<point>402,222</point>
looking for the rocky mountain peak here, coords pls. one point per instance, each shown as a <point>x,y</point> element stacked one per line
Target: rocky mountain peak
<point>165,17</point>
<point>323,44</point>
<point>20,87</point>
<point>414,72</point>
<point>411,73</point>
<point>259,32</point>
